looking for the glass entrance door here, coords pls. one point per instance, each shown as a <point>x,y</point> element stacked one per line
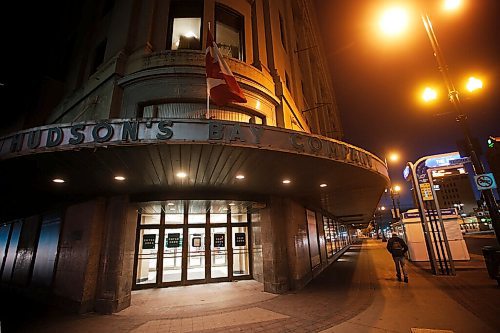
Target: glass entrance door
<point>147,256</point>
<point>218,252</point>
<point>196,254</point>
<point>172,255</point>
<point>181,242</point>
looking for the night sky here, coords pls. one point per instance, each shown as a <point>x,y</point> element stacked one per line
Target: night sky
<point>377,80</point>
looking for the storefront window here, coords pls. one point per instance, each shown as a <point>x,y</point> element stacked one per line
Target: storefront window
<point>174,212</point>
<point>229,32</point>
<point>185,25</point>
<point>197,218</point>
<point>218,218</point>
<point>4,236</point>
<point>46,252</point>
<point>11,252</point>
<point>150,218</point>
<point>313,238</point>
<point>239,214</point>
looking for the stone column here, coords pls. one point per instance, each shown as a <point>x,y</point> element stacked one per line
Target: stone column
<point>79,254</point>
<point>274,247</point>
<point>117,256</point>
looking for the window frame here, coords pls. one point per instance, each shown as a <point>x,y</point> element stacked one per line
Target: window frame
<point>229,11</point>
<point>190,4</point>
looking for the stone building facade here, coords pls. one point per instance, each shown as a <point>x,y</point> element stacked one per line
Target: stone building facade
<point>124,183</point>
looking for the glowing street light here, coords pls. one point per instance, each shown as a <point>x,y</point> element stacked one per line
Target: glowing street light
<point>452,4</point>
<point>429,95</point>
<point>393,157</point>
<point>474,84</point>
<point>394,21</point>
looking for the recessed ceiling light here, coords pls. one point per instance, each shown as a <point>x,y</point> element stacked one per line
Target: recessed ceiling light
<point>286,181</point>
<point>120,178</point>
<point>240,177</point>
<point>232,204</point>
<point>323,185</point>
<point>170,204</point>
<point>58,180</point>
<point>181,174</point>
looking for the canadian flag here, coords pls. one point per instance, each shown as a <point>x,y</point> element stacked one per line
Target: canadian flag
<point>221,84</point>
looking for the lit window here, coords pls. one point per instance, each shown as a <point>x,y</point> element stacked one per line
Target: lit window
<point>229,32</point>
<point>185,25</point>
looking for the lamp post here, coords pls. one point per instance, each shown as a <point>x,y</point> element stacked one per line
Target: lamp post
<point>461,117</point>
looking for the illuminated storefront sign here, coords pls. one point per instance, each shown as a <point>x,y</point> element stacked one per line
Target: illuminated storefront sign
<point>118,132</point>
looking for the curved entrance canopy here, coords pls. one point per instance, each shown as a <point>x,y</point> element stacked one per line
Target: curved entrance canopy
<point>338,178</point>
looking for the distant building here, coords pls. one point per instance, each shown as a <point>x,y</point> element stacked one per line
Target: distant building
<point>454,190</point>
<point>118,180</point>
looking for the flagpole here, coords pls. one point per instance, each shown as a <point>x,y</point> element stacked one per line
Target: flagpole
<point>207,115</point>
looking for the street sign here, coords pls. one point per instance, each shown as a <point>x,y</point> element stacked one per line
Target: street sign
<point>425,189</point>
<point>462,160</point>
<point>485,182</point>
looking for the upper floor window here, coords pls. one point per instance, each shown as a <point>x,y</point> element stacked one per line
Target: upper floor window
<point>229,32</point>
<point>185,25</point>
<point>98,58</point>
<point>282,31</point>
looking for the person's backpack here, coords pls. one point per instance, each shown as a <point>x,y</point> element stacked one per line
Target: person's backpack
<point>397,248</point>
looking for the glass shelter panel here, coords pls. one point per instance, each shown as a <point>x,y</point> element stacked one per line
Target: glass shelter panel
<point>147,256</point>
<point>219,252</point>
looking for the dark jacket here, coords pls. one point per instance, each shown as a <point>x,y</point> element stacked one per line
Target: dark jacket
<point>396,246</point>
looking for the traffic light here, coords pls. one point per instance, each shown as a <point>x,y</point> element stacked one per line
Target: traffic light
<point>491,142</point>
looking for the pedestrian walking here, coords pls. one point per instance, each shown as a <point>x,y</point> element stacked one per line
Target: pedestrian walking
<point>397,247</point>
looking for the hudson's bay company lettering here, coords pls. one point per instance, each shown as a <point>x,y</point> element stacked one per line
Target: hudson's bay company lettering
<point>119,132</point>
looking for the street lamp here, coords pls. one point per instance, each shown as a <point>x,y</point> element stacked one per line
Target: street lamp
<point>461,117</point>
<point>395,190</point>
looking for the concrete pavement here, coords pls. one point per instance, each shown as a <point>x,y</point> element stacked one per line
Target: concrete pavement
<point>358,293</point>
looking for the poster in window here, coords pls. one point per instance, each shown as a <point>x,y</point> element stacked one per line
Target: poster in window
<point>219,240</point>
<point>239,239</point>
<point>173,240</point>
<point>196,242</point>
<point>149,242</point>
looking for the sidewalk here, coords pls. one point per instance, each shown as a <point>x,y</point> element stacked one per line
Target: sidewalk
<point>358,293</point>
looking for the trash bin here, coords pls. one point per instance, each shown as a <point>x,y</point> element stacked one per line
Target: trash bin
<point>491,256</point>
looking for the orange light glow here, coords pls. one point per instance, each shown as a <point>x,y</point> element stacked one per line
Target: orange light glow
<point>429,95</point>
<point>394,21</point>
